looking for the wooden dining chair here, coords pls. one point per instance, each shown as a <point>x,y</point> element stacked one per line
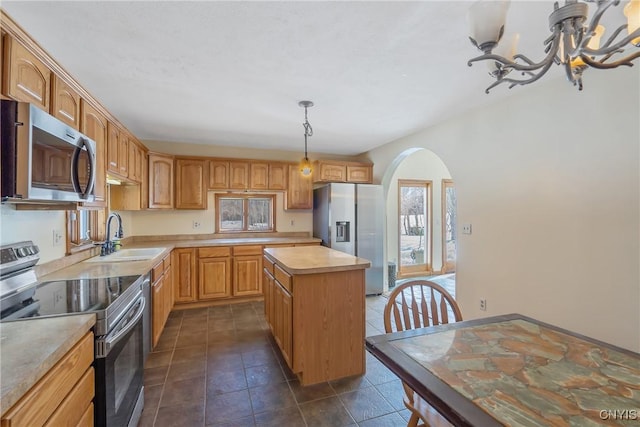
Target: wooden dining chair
<point>417,304</point>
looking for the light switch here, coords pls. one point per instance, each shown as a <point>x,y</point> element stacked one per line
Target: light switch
<point>466,228</point>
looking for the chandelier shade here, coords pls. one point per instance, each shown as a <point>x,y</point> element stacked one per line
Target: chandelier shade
<point>576,43</point>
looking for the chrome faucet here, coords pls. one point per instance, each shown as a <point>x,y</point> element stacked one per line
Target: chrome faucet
<point>108,246</point>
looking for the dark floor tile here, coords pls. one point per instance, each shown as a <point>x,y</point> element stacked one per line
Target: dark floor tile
<point>225,381</point>
<point>289,417</point>
<point>214,337</point>
<point>152,396</point>
<point>170,332</point>
<point>173,322</point>
<point>188,339</point>
<point>365,404</point>
<point>271,396</point>
<point>218,325</point>
<point>223,362</point>
<point>405,414</point>
<point>345,385</point>
<point>327,412</point>
<point>181,415</point>
<point>227,407</point>
<point>155,376</point>
<point>190,369</point>
<point>310,392</point>
<point>389,420</point>
<point>176,314</point>
<point>197,323</point>
<point>379,374</point>
<point>393,392</point>
<point>260,356</point>
<point>147,418</point>
<point>194,353</point>
<point>264,374</point>
<point>165,343</point>
<point>194,312</point>
<point>184,391</point>
<point>161,358</point>
<point>240,422</point>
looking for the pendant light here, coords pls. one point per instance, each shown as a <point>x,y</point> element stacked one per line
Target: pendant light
<point>305,164</point>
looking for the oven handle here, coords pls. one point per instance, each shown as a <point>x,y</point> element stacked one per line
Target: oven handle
<point>103,346</point>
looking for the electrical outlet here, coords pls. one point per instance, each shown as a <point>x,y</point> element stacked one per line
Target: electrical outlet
<point>483,304</point>
<point>57,237</point>
<point>196,224</point>
<point>292,222</point>
<point>466,228</point>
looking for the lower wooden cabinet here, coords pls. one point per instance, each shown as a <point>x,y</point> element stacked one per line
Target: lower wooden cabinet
<point>161,297</point>
<point>63,397</point>
<point>214,273</point>
<point>185,274</point>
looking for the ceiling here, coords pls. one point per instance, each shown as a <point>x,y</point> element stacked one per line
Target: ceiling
<point>232,73</point>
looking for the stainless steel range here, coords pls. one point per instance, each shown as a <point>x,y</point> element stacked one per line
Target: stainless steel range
<point>117,302</point>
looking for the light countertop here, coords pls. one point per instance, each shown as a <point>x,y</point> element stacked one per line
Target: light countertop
<point>30,348</point>
<point>315,259</point>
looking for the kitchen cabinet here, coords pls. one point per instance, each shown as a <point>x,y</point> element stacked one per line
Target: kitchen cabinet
<point>123,155</point>
<point>94,125</point>
<point>330,172</point>
<point>283,315</point>
<point>214,273</point>
<point>259,176</point>
<point>360,174</point>
<point>184,267</point>
<point>247,270</point>
<point>191,184</point>
<point>238,175</point>
<point>63,395</point>
<point>342,171</point>
<point>113,148</point>
<point>137,161</point>
<point>278,173</point>
<point>65,102</point>
<point>160,181</point>
<point>26,78</point>
<point>299,194</point>
<point>218,175</point>
<point>162,297</point>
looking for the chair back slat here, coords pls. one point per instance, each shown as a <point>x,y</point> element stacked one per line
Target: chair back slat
<point>434,309</point>
<point>425,309</point>
<point>405,312</point>
<point>415,311</point>
<point>397,319</point>
<point>444,310</point>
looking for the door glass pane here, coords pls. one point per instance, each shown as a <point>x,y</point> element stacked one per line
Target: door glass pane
<point>412,223</point>
<point>450,227</point>
<point>231,217</point>
<point>259,214</point>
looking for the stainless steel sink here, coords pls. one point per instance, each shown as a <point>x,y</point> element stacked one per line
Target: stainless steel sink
<point>133,254</point>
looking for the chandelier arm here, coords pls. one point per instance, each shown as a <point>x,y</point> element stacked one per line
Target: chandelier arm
<point>617,47</point>
<point>612,37</point>
<point>545,63</point>
<point>605,66</point>
<point>602,8</point>
<point>516,82</point>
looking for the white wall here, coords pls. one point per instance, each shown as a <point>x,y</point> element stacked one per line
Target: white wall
<point>423,165</point>
<point>549,178</point>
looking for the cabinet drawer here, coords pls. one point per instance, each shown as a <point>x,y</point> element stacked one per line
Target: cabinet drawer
<point>214,252</point>
<point>247,250</point>
<point>166,262</point>
<point>158,269</point>
<point>39,403</point>
<point>283,278</point>
<point>268,264</point>
<point>87,417</point>
<point>70,412</point>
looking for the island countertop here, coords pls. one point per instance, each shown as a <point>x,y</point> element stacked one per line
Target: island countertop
<point>30,348</point>
<point>315,259</point>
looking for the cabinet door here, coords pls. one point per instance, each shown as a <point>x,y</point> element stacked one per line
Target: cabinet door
<point>238,175</point>
<point>218,175</point>
<point>191,187</point>
<point>94,125</point>
<point>160,181</point>
<point>259,176</point>
<point>283,314</point>
<point>247,277</point>
<point>183,264</point>
<point>136,161</point>
<point>214,278</point>
<point>157,309</point>
<point>27,78</point>
<point>168,293</point>
<point>65,103</point>
<point>278,176</point>
<point>361,174</point>
<point>113,148</point>
<point>332,172</point>
<point>266,278</point>
<point>299,193</point>
<point>123,155</point>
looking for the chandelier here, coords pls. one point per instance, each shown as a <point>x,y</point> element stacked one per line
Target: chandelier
<point>574,43</point>
<point>305,164</point>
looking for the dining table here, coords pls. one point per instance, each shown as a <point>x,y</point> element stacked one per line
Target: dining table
<point>512,370</point>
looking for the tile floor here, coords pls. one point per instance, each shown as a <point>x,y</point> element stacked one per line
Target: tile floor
<point>219,366</point>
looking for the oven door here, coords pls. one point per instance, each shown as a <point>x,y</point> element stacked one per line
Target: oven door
<point>119,370</point>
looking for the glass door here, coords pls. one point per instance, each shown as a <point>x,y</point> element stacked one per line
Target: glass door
<point>449,232</point>
<point>414,220</point>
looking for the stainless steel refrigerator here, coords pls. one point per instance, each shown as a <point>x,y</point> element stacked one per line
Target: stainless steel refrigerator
<point>350,218</point>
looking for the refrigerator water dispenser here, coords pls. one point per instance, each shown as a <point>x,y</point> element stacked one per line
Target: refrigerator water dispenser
<point>342,231</point>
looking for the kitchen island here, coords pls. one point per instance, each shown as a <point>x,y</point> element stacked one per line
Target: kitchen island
<point>315,306</point>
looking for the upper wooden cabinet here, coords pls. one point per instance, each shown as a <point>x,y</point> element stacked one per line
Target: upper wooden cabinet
<point>65,103</point>
<point>218,174</point>
<point>123,155</point>
<point>259,176</point>
<point>94,125</point>
<point>113,148</point>
<point>25,77</point>
<point>340,171</point>
<point>137,162</point>
<point>278,173</point>
<point>160,181</point>
<point>191,184</point>
<point>299,193</point>
<point>238,175</point>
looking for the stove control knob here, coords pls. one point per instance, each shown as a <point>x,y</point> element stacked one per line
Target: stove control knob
<point>29,250</point>
<point>22,252</point>
<point>35,249</point>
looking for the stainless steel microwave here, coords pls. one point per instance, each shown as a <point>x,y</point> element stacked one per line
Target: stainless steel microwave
<point>43,158</point>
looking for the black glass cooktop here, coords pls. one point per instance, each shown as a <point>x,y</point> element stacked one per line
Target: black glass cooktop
<point>73,296</point>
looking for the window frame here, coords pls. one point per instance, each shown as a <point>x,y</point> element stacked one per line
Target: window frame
<point>245,211</point>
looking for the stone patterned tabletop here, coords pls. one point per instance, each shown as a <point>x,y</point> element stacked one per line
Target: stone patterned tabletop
<point>527,374</point>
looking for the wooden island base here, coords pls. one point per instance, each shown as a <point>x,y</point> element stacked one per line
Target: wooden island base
<point>315,306</point>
